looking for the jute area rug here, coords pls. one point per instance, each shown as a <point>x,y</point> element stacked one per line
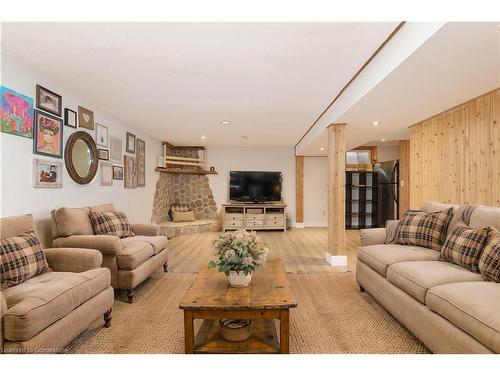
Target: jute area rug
<point>332,315</point>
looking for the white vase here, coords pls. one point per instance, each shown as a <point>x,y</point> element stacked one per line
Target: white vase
<point>238,279</point>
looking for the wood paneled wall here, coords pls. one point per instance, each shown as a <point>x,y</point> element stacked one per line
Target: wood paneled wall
<point>455,155</point>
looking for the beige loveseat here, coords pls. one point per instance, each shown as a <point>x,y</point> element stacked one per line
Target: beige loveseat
<point>46,312</point>
<point>131,260</point>
<point>450,309</point>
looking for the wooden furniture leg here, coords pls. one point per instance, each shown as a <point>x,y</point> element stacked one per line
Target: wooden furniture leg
<point>284,331</point>
<point>188,332</point>
<point>107,318</point>
<point>130,295</point>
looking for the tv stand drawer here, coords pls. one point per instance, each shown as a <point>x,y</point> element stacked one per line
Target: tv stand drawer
<point>253,217</point>
<point>233,217</point>
<point>254,223</point>
<point>274,217</point>
<point>234,224</point>
<point>275,223</point>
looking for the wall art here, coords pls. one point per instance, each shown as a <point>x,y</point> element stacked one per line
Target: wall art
<point>16,113</point>
<point>48,136</point>
<point>48,101</point>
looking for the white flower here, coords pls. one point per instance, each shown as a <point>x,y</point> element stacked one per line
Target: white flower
<point>247,261</point>
<point>229,254</point>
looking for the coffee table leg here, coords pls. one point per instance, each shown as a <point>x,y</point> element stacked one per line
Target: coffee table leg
<point>188,332</point>
<point>284,331</point>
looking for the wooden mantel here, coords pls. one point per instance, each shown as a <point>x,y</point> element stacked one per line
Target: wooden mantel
<point>184,171</point>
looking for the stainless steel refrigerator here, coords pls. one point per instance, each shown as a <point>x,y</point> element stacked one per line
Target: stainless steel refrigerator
<point>388,190</point>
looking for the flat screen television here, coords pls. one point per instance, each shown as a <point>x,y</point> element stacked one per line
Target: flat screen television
<point>255,187</point>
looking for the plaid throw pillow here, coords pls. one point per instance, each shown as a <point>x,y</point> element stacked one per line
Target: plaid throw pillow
<point>427,230</point>
<point>464,246</point>
<point>21,258</point>
<point>489,263</point>
<point>110,223</point>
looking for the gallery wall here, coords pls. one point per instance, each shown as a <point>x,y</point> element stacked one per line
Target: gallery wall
<point>18,196</point>
<point>455,155</point>
<point>226,159</point>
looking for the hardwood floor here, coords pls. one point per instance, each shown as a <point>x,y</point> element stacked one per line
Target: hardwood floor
<point>302,250</point>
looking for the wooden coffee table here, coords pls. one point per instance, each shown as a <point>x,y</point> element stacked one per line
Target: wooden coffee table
<point>211,298</point>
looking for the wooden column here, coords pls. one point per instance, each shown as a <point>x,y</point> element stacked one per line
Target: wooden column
<point>404,176</point>
<point>299,191</point>
<point>336,253</point>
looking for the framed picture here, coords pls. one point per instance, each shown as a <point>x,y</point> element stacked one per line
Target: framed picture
<point>48,101</point>
<point>85,118</point>
<point>130,165</point>
<point>47,173</point>
<point>102,154</point>
<point>116,150</point>
<point>69,118</point>
<point>48,136</point>
<point>16,113</point>
<point>106,174</point>
<point>101,135</point>
<point>130,144</point>
<point>117,172</point>
<point>141,162</point>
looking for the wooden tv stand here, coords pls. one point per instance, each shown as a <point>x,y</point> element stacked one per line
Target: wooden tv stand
<point>251,216</point>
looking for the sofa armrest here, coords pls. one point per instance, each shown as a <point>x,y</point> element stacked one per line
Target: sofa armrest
<point>107,245</point>
<point>145,229</point>
<point>372,236</point>
<point>65,259</point>
<point>3,310</point>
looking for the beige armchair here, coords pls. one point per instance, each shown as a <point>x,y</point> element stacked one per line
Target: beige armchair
<point>131,260</point>
<point>46,312</point>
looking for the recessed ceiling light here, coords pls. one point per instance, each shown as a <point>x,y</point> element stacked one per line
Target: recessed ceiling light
<point>203,137</point>
<point>383,139</point>
<point>375,123</point>
<point>322,149</point>
<point>244,137</point>
<point>226,122</point>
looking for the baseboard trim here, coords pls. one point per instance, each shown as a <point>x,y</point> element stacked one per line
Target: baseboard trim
<point>316,224</point>
<point>299,225</point>
<point>336,260</point>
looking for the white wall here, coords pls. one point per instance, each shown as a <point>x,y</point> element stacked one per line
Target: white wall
<point>315,191</point>
<point>226,159</point>
<point>386,153</point>
<point>17,193</point>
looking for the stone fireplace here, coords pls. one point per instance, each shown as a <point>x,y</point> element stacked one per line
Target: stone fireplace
<point>192,190</point>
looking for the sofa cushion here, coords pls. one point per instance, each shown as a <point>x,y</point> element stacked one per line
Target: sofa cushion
<point>426,230</point>
<point>464,246</point>
<point>379,257</point>
<point>415,278</point>
<point>484,217</point>
<point>134,254</point>
<point>71,221</point>
<point>473,307</point>
<point>489,263</point>
<point>21,258</point>
<point>39,302</point>
<point>110,223</point>
<point>158,242</point>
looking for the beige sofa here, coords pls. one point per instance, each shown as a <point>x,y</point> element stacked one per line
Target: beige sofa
<point>450,309</point>
<point>46,312</point>
<point>131,260</point>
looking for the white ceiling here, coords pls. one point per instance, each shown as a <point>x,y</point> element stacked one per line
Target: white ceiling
<point>459,62</point>
<point>177,81</point>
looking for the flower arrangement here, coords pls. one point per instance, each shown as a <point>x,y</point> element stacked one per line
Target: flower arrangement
<point>239,251</point>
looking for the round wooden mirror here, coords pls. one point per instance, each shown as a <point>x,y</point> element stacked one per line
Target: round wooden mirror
<point>80,157</point>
